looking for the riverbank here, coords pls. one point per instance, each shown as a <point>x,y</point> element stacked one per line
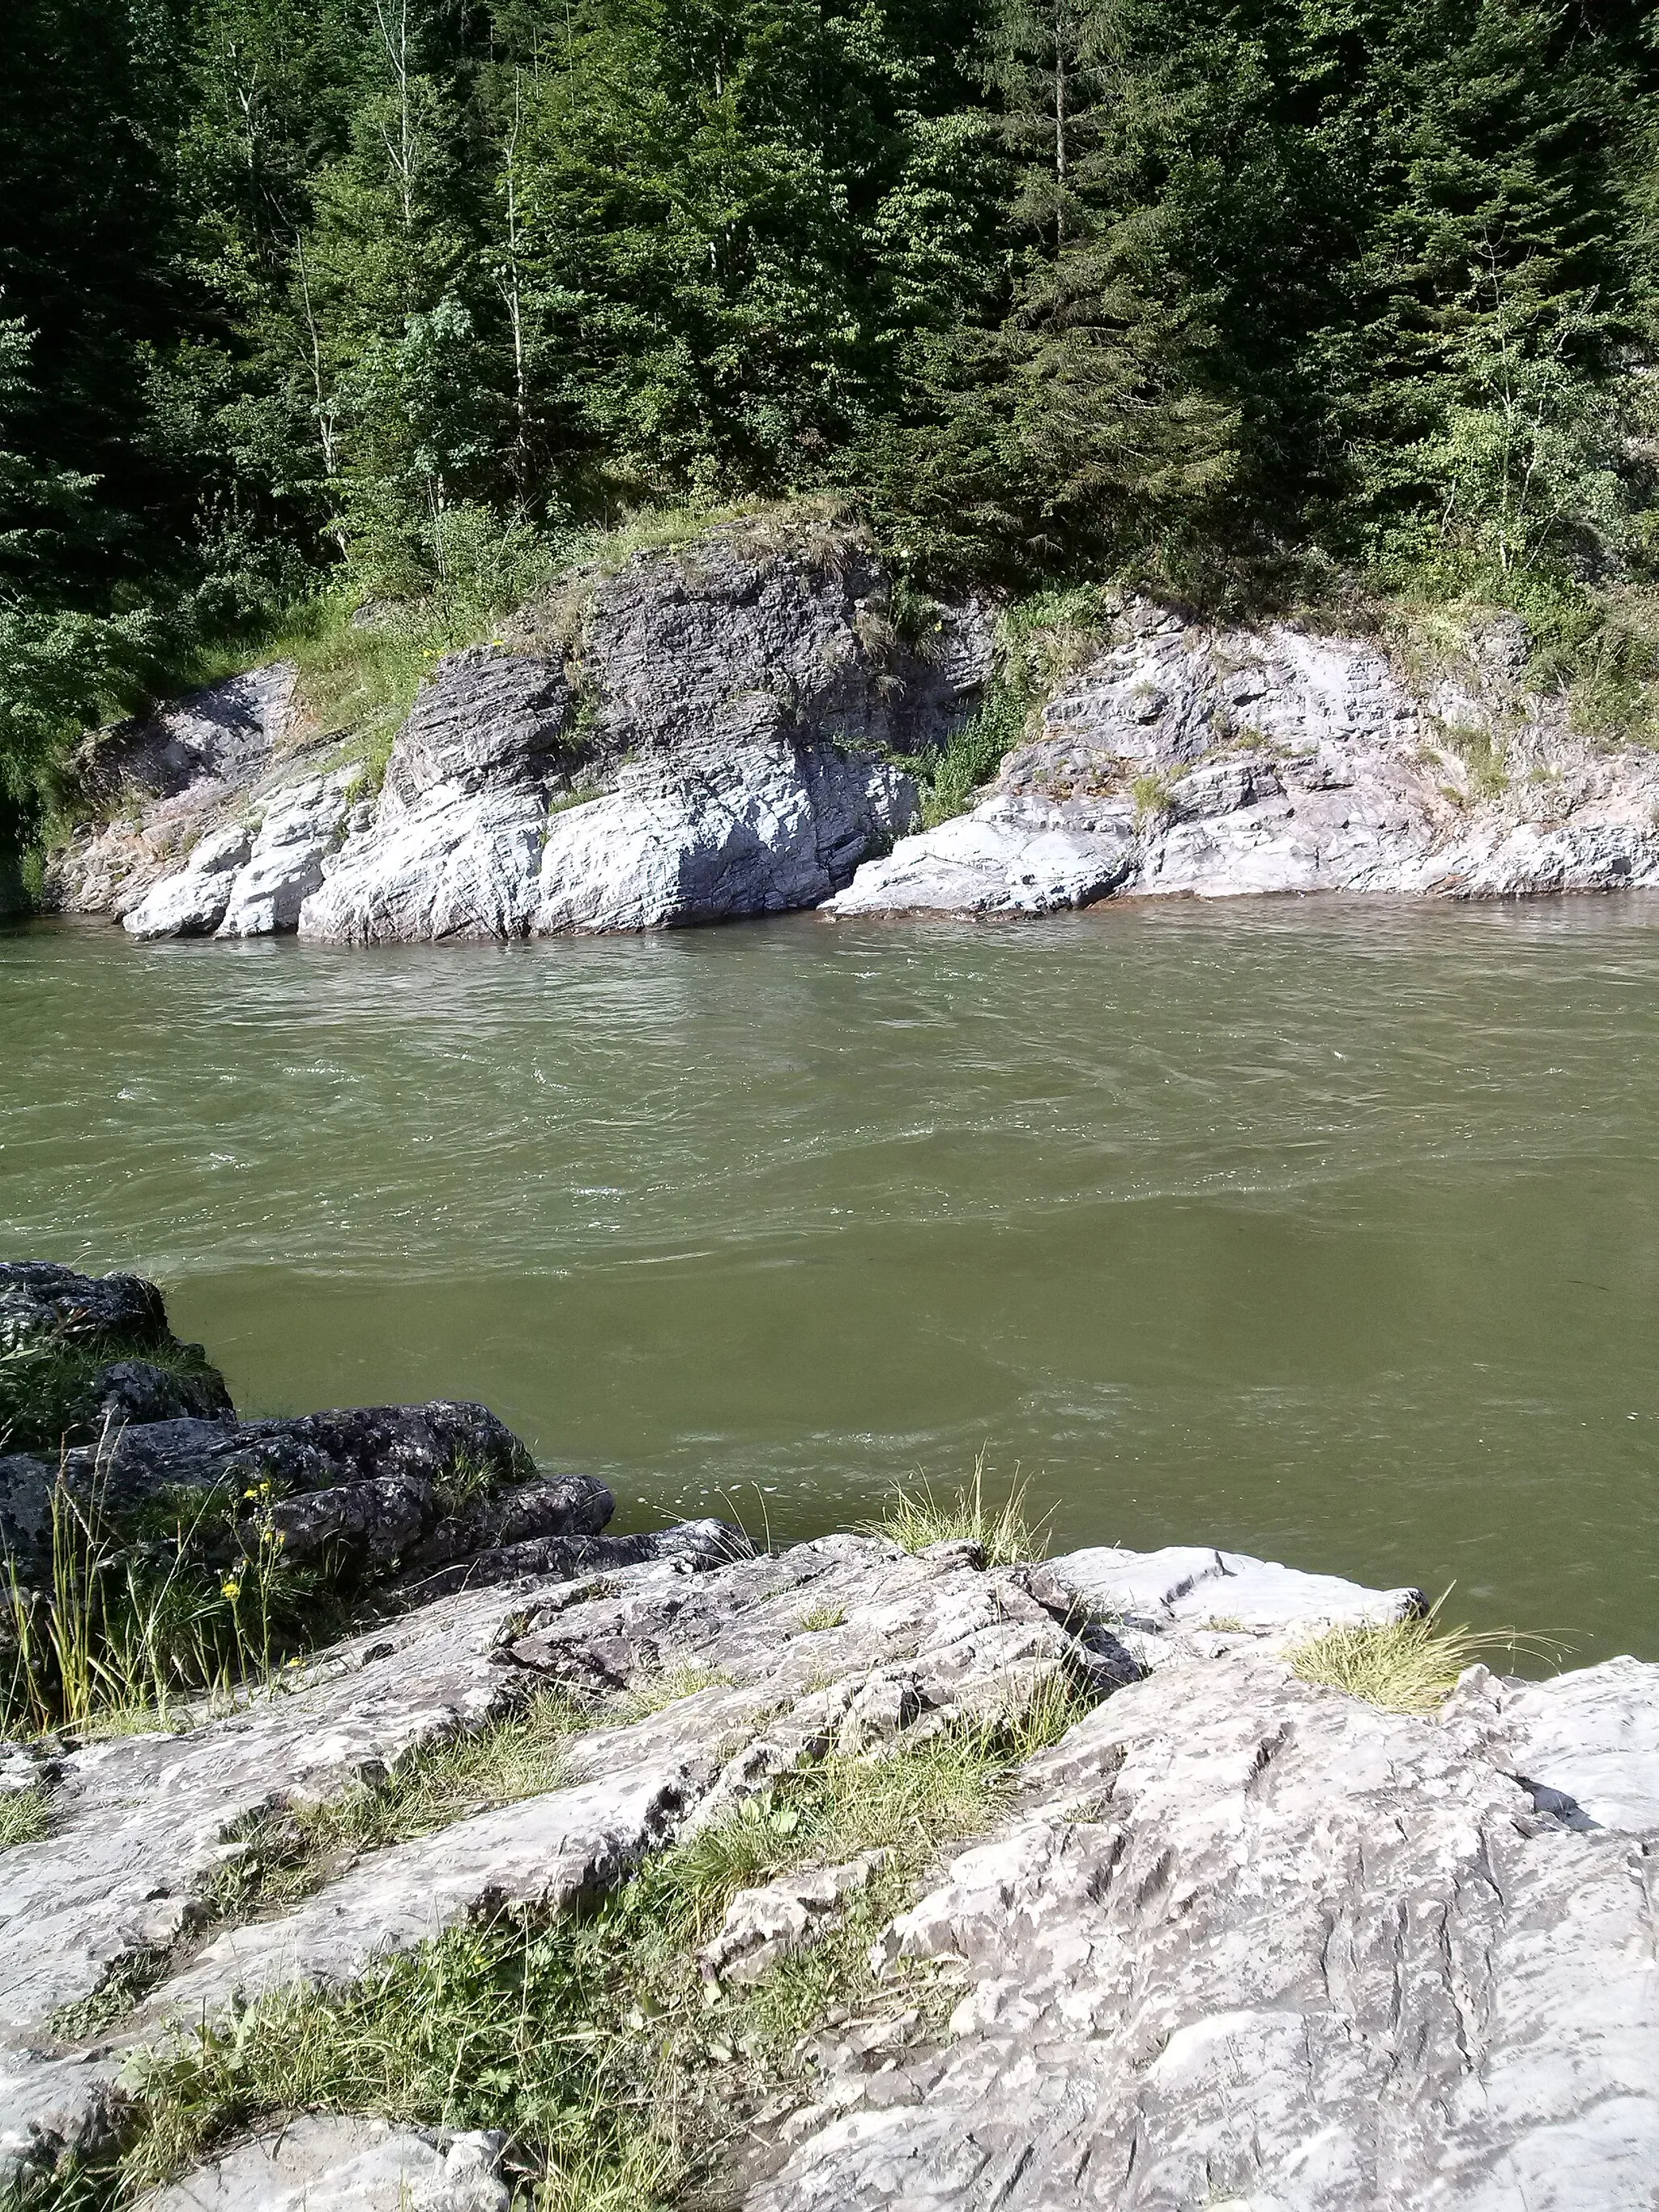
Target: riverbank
<point>762,717</point>
<point>828,1878</point>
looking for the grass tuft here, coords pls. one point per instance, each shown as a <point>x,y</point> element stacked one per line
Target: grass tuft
<point>656,1692</point>
<point>25,1817</point>
<point>1403,1666</point>
<point>918,1518</point>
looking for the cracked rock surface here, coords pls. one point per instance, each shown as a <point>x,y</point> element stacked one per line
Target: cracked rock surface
<point>1252,1943</point>
<point>1189,761</point>
<point>1241,1940</point>
<point>141,1825</point>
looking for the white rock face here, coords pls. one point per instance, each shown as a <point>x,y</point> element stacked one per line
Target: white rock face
<point>1190,1586</point>
<point>192,903</point>
<point>1184,762</point>
<point>453,864</point>
<point>191,770</point>
<point>1012,855</point>
<point>239,882</point>
<point>754,831</point>
<point>1238,1940</point>
<point>285,864</point>
<point>320,2162</point>
<point>1252,1944</point>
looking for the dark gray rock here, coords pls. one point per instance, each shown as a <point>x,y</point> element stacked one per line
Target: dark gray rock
<point>38,1298</point>
<point>137,1390</point>
<point>358,1487</point>
<point>487,719</point>
<point>80,1352</point>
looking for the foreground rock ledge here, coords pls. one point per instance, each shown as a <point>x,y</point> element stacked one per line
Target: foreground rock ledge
<point>1244,1942</point>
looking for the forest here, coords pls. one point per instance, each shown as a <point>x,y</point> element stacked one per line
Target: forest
<point>1250,301</point>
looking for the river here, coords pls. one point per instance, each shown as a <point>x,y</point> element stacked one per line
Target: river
<point>1325,1231</point>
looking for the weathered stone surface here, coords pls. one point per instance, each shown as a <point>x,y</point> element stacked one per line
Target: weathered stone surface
<point>285,865</point>
<point>751,832</point>
<point>1012,855</point>
<point>1253,1943</point>
<point>486,719</point>
<point>140,1824</point>
<point>725,757</point>
<point>183,769</point>
<point>369,1479</point>
<point>250,882</point>
<point>1586,1745</point>
<point>1241,761</point>
<point>451,865</point>
<point>1191,1586</point>
<point>334,2162</point>
<point>1241,1940</point>
<point>38,1298</point>
<point>783,1917</point>
<point>192,903</point>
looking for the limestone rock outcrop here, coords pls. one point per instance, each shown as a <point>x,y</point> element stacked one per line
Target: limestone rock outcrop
<point>1249,1942</point>
<point>1184,760</point>
<point>709,742</point>
<point>1238,1939</point>
<point>162,784</point>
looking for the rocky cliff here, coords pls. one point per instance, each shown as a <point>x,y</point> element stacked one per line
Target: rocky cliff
<point>736,728</point>
<point>1183,759</point>
<point>1218,1935</point>
<point>706,732</point>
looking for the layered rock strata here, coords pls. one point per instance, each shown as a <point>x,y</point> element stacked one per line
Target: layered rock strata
<point>1184,760</point>
<point>1240,1940</point>
<point>704,733</point>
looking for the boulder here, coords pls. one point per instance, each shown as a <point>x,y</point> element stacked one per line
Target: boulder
<point>1249,1942</point>
<point>716,745</point>
<point>379,1473</point>
<point>82,1354</point>
<point>285,864</point>
<point>192,903</point>
<point>1010,856</point>
<point>751,832</point>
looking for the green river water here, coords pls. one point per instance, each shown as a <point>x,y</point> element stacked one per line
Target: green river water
<point>1328,1231</point>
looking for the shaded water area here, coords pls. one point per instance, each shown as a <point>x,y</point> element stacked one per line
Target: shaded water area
<point>1324,1230</point>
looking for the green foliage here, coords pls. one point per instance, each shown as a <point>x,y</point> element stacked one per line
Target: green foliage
<point>593,2042</point>
<point>51,1382</point>
<point>135,1617</point>
<point>25,1817</point>
<point>302,301</point>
